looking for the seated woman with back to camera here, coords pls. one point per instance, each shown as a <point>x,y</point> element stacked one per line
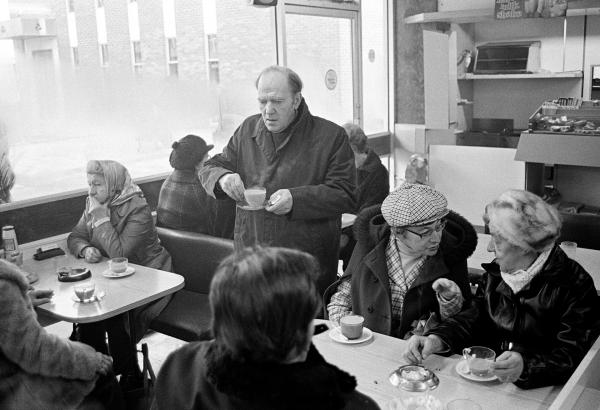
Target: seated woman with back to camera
<point>540,309</point>
<point>263,302</point>
<point>183,203</point>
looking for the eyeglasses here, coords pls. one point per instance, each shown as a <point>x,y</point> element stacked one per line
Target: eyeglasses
<point>429,233</point>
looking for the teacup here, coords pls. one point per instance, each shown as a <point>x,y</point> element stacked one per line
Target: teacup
<point>255,196</point>
<point>352,326</point>
<point>118,265</point>
<point>85,291</point>
<point>479,359</point>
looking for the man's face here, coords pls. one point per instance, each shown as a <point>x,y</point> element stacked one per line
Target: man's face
<point>98,188</point>
<point>277,103</point>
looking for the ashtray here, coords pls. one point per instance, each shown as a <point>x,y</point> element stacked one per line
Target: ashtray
<point>69,274</point>
<point>414,377</point>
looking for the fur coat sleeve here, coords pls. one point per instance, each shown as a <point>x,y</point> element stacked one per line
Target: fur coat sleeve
<point>26,344</point>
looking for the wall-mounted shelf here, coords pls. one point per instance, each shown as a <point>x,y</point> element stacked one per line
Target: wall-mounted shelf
<point>456,16</point>
<point>566,74</point>
<point>478,15</point>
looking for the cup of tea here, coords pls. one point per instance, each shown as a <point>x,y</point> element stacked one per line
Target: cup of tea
<point>85,291</point>
<point>118,265</point>
<point>479,359</point>
<point>352,326</point>
<point>255,196</point>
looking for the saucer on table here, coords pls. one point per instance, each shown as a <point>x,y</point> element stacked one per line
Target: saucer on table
<point>110,274</point>
<point>336,334</point>
<point>462,368</point>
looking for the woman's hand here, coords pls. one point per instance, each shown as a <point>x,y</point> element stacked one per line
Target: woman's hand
<point>420,347</point>
<point>39,297</point>
<point>508,366</point>
<point>105,364</point>
<point>91,254</point>
<point>98,210</point>
<point>446,288</point>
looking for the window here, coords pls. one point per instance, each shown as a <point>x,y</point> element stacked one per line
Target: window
<point>198,79</point>
<point>89,113</point>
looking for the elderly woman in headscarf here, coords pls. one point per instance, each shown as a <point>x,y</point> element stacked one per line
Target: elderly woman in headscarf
<point>117,221</point>
<point>539,311</point>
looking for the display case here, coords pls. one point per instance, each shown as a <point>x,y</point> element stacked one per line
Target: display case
<point>567,116</point>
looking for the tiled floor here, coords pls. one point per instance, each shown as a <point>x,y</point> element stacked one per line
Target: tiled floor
<point>159,345</point>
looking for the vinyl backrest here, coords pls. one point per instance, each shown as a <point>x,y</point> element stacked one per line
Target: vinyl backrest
<point>581,228</point>
<point>195,256</point>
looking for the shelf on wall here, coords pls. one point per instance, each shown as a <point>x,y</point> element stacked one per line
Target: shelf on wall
<point>455,16</point>
<point>478,15</point>
<point>565,74</point>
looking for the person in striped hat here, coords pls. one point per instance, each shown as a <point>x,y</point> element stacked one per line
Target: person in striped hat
<point>409,268</point>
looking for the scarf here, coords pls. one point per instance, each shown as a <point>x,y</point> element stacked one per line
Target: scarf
<point>117,180</point>
<point>403,270</point>
<point>521,278</point>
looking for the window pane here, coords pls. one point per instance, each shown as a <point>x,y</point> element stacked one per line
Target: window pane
<point>374,65</point>
<point>319,49</point>
<point>55,118</point>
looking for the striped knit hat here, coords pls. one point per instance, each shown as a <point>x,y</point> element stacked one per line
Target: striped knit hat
<point>414,205</point>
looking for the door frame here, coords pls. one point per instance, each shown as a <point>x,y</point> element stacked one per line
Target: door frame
<point>348,11</point>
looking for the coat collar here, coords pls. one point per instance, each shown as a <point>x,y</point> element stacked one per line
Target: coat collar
<point>313,384</point>
<point>371,163</point>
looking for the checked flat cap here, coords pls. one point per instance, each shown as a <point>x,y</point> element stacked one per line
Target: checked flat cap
<point>414,205</point>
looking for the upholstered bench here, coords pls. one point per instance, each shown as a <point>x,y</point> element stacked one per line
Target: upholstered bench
<point>196,257</point>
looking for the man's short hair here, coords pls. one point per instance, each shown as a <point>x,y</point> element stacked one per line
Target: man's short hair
<point>294,80</point>
<point>356,137</point>
<point>262,302</point>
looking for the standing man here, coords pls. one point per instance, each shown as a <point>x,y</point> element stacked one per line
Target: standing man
<point>304,162</point>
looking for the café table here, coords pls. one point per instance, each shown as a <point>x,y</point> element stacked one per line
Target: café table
<point>589,259</point>
<point>371,362</point>
<point>121,295</point>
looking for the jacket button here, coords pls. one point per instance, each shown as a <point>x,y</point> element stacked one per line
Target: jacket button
<point>370,309</point>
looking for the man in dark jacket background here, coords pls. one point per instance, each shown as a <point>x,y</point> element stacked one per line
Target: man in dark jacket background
<point>304,162</point>
<point>372,183</point>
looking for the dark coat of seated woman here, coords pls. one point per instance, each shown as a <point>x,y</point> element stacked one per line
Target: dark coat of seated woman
<point>539,310</point>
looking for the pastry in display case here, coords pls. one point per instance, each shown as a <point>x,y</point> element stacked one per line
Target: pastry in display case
<point>567,116</point>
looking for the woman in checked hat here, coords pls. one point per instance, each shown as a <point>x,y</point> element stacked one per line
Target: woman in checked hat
<point>409,268</point>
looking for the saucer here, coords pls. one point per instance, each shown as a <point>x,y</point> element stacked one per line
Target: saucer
<point>462,368</point>
<point>96,298</point>
<point>336,334</point>
<point>110,274</point>
<point>250,207</point>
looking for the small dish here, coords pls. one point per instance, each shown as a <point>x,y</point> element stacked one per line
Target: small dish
<point>336,334</point>
<point>462,368</point>
<point>98,296</point>
<point>250,207</point>
<point>110,274</point>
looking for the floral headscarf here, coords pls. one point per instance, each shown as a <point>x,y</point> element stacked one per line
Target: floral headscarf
<point>117,178</point>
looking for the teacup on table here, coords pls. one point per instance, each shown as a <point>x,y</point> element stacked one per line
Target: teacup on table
<point>255,196</point>
<point>118,265</point>
<point>479,359</point>
<point>351,326</point>
<point>85,291</point>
